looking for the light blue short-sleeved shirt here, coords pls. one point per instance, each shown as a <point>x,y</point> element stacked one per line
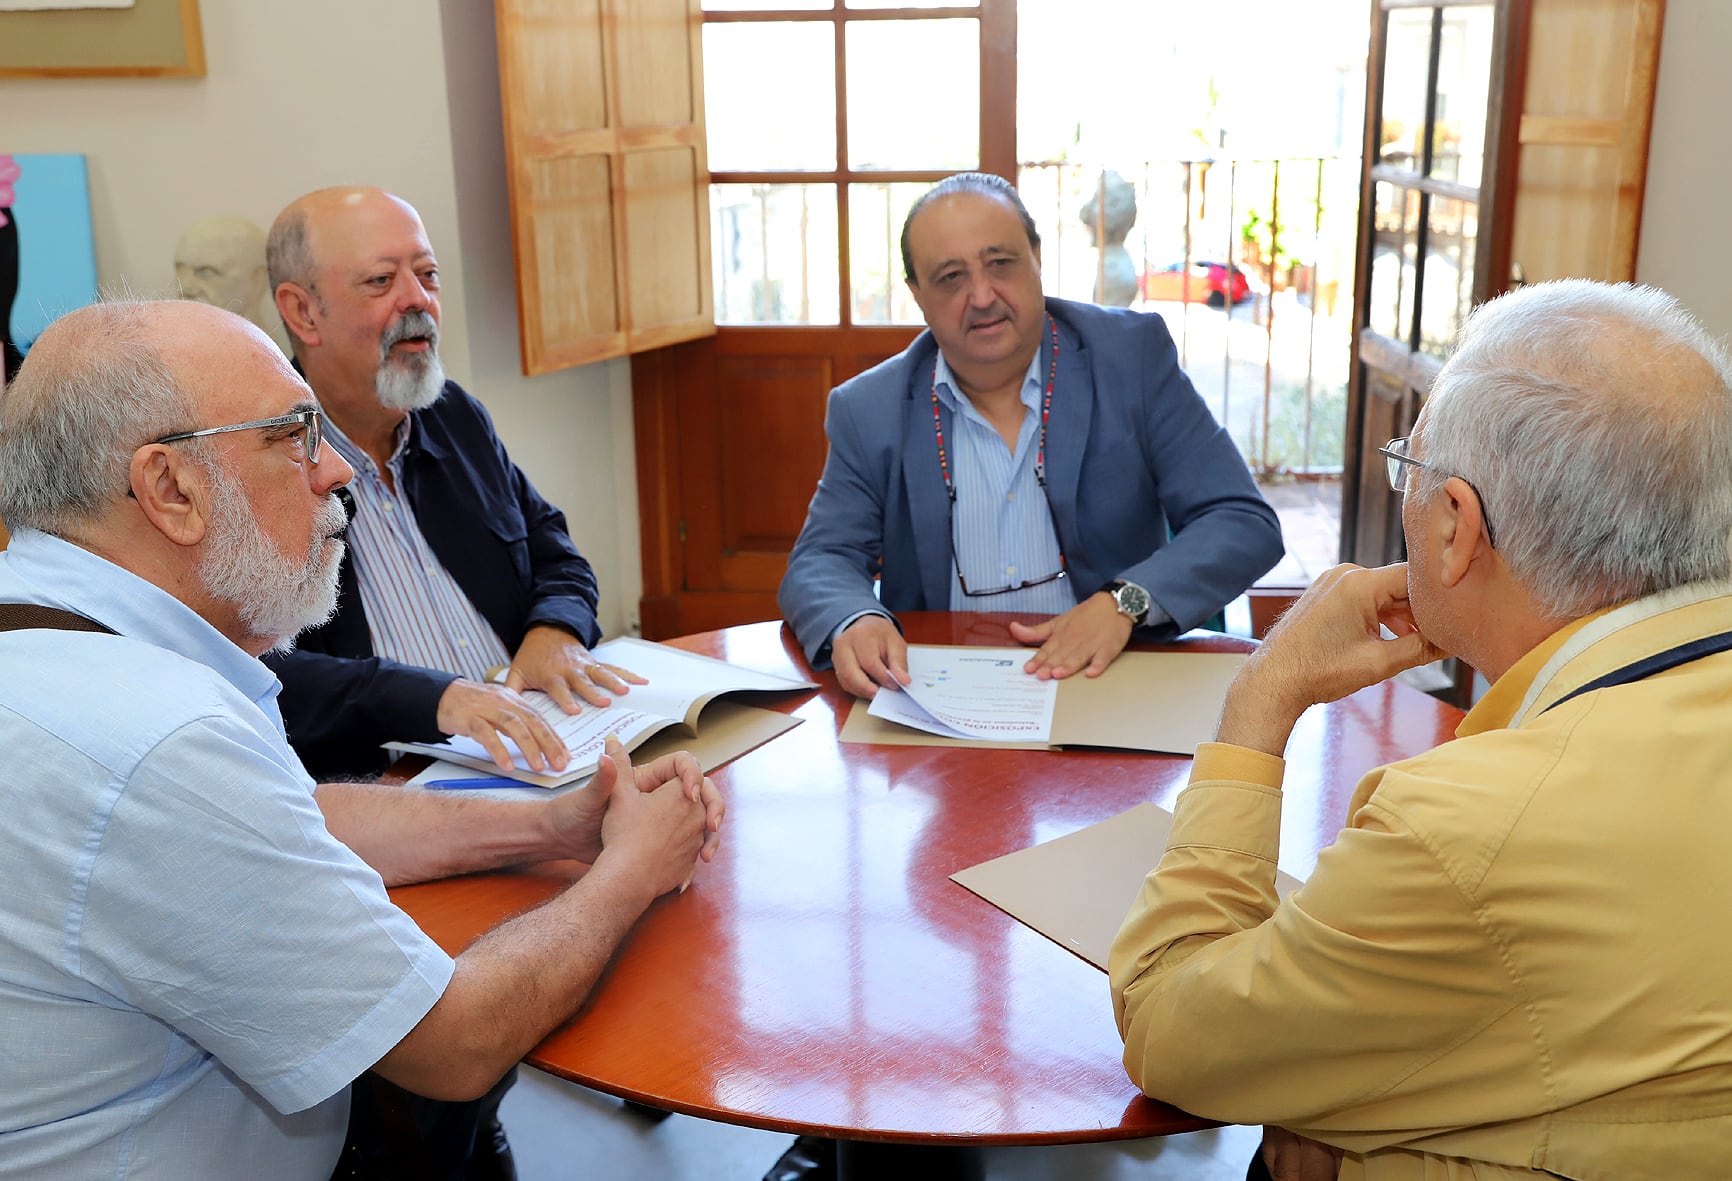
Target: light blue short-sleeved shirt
<point>192,969</point>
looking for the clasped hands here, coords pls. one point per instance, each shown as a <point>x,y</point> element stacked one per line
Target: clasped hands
<point>871,651</point>
<point>550,659</point>
<point>661,818</point>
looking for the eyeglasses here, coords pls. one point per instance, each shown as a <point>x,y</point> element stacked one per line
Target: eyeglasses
<point>956,557</point>
<point>309,419</point>
<point>1399,463</point>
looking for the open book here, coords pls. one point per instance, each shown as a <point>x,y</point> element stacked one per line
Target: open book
<point>682,686</point>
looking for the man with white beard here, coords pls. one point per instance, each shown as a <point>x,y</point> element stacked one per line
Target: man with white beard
<point>197,951</point>
<point>457,566</point>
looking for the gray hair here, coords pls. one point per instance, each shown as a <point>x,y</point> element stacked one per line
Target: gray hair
<point>288,255</point>
<point>987,184</point>
<point>92,390</point>
<point>1596,421</point>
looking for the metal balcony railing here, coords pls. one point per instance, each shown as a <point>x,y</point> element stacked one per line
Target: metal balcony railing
<point>1249,260</point>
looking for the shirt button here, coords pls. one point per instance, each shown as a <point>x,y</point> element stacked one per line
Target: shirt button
<point>1010,570</point>
<point>463,643</point>
<point>1010,496</point>
<point>428,568</point>
<point>389,506</point>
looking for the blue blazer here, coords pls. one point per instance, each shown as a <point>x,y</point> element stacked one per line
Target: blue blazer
<point>506,548</point>
<point>1145,485</point>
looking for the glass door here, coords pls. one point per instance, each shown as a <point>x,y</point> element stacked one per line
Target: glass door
<point>1427,250</point>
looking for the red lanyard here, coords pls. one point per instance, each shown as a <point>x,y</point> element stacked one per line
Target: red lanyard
<point>1045,413</point>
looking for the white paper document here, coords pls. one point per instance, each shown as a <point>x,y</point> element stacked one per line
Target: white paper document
<point>971,693</point>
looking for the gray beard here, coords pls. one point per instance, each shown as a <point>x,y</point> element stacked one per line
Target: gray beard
<point>411,383</point>
<point>275,597</point>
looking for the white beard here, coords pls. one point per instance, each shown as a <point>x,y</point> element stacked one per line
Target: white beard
<point>276,598</point>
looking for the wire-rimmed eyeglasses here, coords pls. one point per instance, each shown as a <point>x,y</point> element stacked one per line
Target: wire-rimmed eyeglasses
<point>956,556</point>
<point>1399,462</point>
<point>309,419</point>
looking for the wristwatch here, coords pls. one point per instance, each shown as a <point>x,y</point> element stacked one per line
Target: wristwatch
<point>1132,600</point>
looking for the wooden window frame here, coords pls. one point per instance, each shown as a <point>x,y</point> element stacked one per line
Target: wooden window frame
<point>997,19</point>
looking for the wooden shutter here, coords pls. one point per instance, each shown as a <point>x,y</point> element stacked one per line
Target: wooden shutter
<point>604,146</point>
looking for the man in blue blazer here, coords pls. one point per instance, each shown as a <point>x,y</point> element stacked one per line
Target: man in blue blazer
<point>1023,454</point>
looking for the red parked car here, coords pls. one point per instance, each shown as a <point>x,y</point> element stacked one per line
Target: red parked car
<point>1213,283</point>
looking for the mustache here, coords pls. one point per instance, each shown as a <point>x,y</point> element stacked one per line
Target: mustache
<point>408,326</point>
<point>331,519</point>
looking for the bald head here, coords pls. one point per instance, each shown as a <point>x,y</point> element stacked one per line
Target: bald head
<point>1596,421</point>
<point>291,249</point>
<point>357,285</point>
<point>99,382</point>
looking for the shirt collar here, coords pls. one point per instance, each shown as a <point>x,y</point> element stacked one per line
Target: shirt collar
<point>1498,707</point>
<point>946,383</point>
<point>1595,644</point>
<point>40,568</point>
<point>358,458</point>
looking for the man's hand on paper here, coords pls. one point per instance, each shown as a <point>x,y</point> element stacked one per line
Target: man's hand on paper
<point>1085,639</point>
<point>1327,645</point>
<point>1291,1157</point>
<point>658,827</point>
<point>491,713</point>
<point>556,662</point>
<point>577,816</point>
<point>869,653</point>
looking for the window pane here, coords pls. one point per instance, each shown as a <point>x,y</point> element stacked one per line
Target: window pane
<point>776,254</point>
<point>1452,231</point>
<point>1407,62</point>
<point>1463,85</point>
<point>1394,260</point>
<point>909,4</point>
<point>894,122</point>
<point>764,120</point>
<point>765,5</point>
<point>875,216</point>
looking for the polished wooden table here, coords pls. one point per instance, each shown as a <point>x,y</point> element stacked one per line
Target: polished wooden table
<point>823,975</point>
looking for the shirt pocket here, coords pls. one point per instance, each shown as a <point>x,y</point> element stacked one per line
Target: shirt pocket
<point>511,534</point>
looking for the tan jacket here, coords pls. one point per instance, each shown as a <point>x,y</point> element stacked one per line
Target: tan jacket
<point>1516,957</point>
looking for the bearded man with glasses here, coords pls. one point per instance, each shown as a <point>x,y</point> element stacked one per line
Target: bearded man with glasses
<point>1023,454</point>
<point>198,956</point>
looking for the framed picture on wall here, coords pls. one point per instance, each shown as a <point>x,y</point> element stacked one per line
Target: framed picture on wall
<point>100,38</point>
<point>47,249</point>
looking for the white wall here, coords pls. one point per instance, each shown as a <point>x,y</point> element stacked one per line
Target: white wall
<point>1686,228</point>
<point>337,92</point>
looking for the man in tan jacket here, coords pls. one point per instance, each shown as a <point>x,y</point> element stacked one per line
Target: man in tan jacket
<point>1514,960</point>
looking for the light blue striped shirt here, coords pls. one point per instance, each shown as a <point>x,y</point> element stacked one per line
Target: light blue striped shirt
<point>1002,529</point>
<point>416,612</point>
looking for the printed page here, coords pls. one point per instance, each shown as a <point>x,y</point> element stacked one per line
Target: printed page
<point>975,692</point>
<point>584,734</point>
<point>679,680</point>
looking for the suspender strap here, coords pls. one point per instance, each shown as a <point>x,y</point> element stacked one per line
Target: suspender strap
<point>23,616</point>
<point>1657,663</point>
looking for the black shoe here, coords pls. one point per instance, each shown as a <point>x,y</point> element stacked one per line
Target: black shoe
<point>491,1159</point>
<point>809,1158</point>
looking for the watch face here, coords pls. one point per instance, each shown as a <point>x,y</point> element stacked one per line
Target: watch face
<point>1133,600</point>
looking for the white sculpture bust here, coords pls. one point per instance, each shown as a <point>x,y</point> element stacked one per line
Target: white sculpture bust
<point>221,261</point>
